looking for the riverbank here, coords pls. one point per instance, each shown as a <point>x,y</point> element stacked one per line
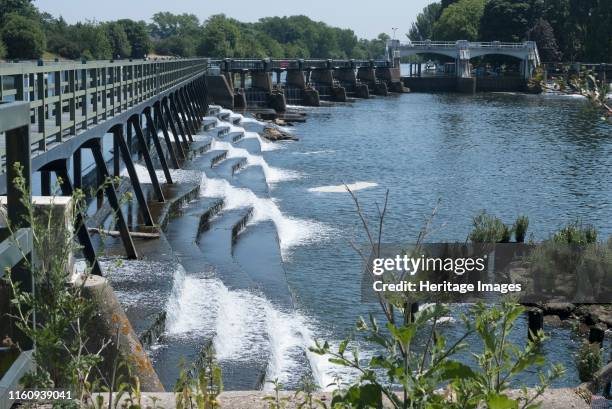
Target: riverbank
<point>563,398</point>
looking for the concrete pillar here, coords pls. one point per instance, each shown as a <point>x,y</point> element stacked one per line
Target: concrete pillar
<point>111,323</point>
<point>219,90</point>
<point>326,77</point>
<point>261,80</point>
<point>296,78</point>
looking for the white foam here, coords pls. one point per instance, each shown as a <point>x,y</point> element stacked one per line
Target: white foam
<point>291,231</point>
<point>342,188</point>
<point>265,144</point>
<point>321,152</point>
<point>245,326</point>
<point>273,175</point>
<point>177,175</point>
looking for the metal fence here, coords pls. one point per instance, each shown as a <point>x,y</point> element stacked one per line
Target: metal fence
<point>14,247</point>
<point>67,97</point>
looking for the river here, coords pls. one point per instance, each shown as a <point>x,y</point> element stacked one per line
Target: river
<point>547,157</point>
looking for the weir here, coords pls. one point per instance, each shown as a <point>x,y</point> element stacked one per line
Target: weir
<point>202,217</point>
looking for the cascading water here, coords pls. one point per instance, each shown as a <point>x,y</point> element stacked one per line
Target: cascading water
<point>244,325</point>
<point>273,175</point>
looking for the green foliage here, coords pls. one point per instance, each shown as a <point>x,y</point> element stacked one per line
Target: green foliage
<point>92,41</point>
<point>23,8</point>
<point>62,360</point>
<point>505,20</point>
<point>542,33</point>
<point>588,360</point>
<point>220,38</point>
<point>489,229</point>
<point>138,37</point>
<point>576,233</point>
<point>501,362</point>
<point>199,385</point>
<point>422,28</point>
<point>419,375</point>
<point>24,37</point>
<point>460,21</point>
<point>520,228</point>
<point>118,40</point>
<point>304,395</point>
<point>2,49</point>
<point>275,401</point>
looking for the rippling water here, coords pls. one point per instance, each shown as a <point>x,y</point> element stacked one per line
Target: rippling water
<point>547,157</point>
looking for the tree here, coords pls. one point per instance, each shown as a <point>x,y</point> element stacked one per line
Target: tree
<point>542,33</point>
<point>119,42</point>
<point>460,21</point>
<point>166,25</point>
<point>505,20</point>
<point>422,28</point>
<point>24,37</point>
<point>177,45</point>
<point>24,8</point>
<point>92,41</point>
<point>221,37</point>
<point>2,50</point>
<point>138,37</point>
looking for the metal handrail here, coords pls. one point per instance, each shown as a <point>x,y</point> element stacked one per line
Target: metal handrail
<point>67,97</point>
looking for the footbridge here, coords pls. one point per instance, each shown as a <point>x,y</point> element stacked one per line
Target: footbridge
<point>276,82</point>
<point>462,51</point>
<point>61,119</point>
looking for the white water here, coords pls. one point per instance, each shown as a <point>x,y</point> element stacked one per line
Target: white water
<point>244,326</point>
<point>342,188</point>
<point>273,175</point>
<point>291,231</point>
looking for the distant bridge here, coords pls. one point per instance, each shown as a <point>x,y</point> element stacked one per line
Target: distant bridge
<point>462,51</point>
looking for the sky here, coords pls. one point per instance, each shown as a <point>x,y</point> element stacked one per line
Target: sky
<point>367,18</point>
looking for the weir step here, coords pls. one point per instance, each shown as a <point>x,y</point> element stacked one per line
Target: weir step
<point>235,136</point>
<point>142,288</point>
<point>253,178</point>
<point>258,252</point>
<point>208,123</point>
<point>207,160</point>
<point>250,144</point>
<point>183,232</point>
<point>226,169</point>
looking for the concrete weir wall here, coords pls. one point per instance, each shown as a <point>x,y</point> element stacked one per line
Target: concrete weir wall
<point>465,85</point>
<point>220,91</point>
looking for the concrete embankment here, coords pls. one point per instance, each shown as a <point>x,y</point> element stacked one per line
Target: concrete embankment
<point>564,398</point>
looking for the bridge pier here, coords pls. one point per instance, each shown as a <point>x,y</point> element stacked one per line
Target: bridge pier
<point>295,82</point>
<point>367,75</point>
<point>392,78</point>
<point>348,79</point>
<point>324,80</point>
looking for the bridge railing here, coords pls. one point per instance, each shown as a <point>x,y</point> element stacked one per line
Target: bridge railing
<point>68,97</point>
<point>16,243</point>
<point>468,44</point>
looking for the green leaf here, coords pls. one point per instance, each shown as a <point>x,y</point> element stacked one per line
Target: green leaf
<point>455,370</point>
<point>495,401</point>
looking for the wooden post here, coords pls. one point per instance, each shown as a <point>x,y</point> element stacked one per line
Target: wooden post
<point>536,322</point>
